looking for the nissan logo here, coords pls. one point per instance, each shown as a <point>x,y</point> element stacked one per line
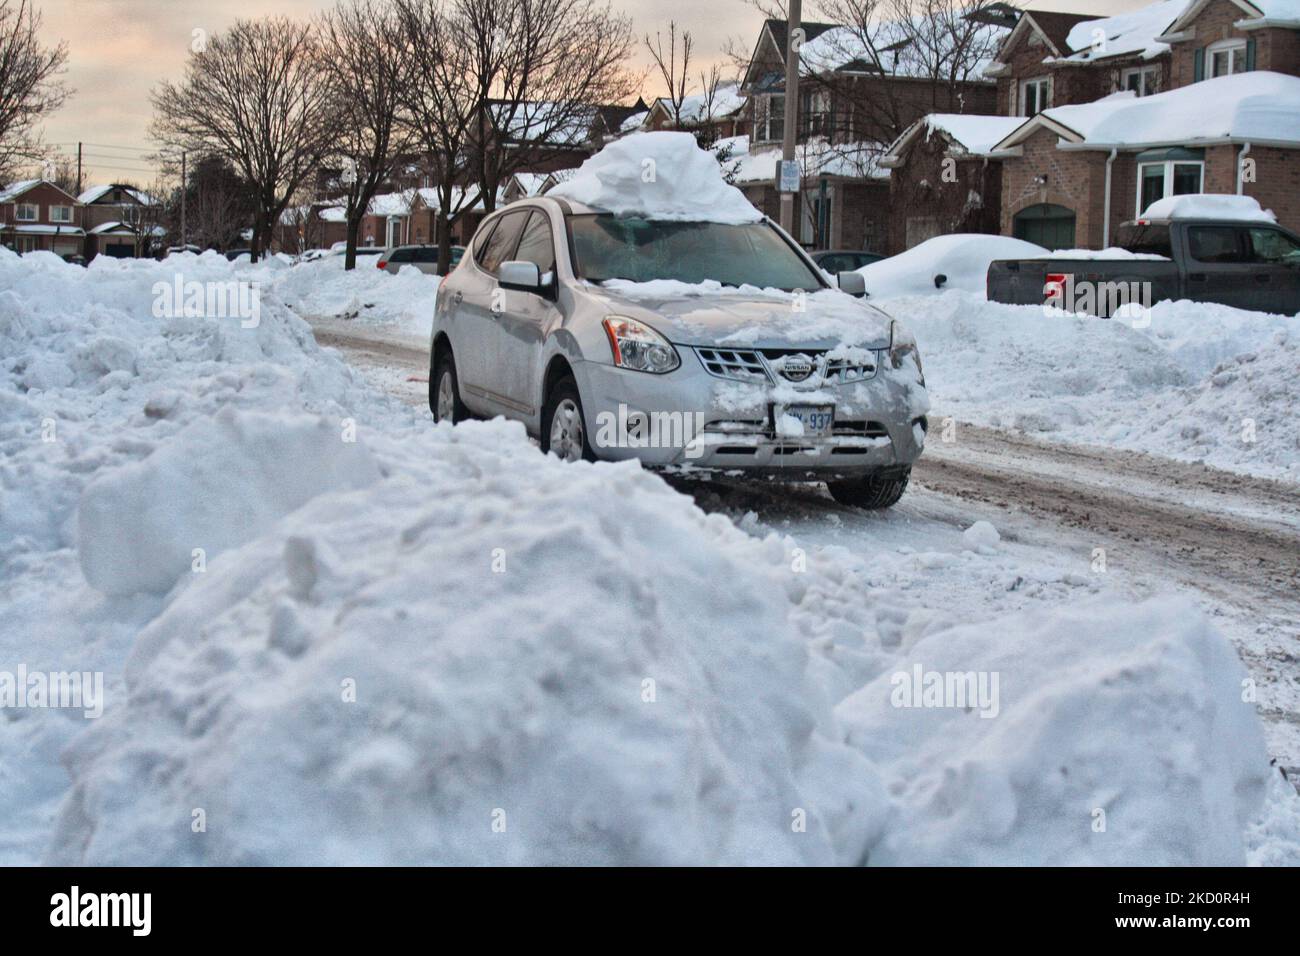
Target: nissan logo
<point>796,369</point>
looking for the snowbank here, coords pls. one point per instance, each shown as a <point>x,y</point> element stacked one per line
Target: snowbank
<point>1209,206</point>
<point>219,482</point>
<point>445,647</point>
<point>1200,382</point>
<point>659,175</point>
<point>963,258</point>
<point>1117,734</point>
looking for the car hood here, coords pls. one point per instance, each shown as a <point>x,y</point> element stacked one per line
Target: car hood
<point>711,315</point>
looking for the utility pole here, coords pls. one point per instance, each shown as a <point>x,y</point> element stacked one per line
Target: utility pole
<point>79,190</point>
<point>794,34</point>
<point>184,237</point>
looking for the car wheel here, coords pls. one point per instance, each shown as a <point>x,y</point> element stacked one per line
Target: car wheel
<point>564,430</point>
<point>871,493</point>
<point>444,392</point>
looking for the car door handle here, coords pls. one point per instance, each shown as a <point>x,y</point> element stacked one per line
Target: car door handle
<point>458,298</point>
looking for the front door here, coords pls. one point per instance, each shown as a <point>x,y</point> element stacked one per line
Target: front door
<point>479,339</point>
<point>526,317</point>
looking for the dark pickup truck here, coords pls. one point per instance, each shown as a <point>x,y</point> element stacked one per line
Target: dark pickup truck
<point>1248,264</point>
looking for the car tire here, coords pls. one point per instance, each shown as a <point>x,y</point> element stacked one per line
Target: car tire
<point>450,408</point>
<point>871,493</point>
<point>564,400</point>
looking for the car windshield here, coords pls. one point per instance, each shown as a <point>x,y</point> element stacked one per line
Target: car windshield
<point>641,250</point>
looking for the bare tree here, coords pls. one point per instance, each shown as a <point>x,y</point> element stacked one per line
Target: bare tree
<point>541,68</point>
<point>259,96</point>
<point>442,103</point>
<point>30,87</point>
<point>936,44</point>
<point>218,204</point>
<point>370,72</point>
<point>145,217</point>
<point>673,72</point>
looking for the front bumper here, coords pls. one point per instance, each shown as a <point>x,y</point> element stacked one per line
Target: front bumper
<point>690,420</point>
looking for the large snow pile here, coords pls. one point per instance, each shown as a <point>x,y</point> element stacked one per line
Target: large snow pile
<point>367,294</point>
<point>1209,206</point>
<point>659,175</point>
<point>1047,778</point>
<point>963,259</point>
<point>445,647</point>
<point>1195,381</point>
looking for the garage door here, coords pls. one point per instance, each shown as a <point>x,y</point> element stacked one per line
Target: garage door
<point>1046,225</point>
<point>120,250</point>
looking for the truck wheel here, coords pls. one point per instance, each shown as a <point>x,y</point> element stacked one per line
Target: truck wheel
<point>444,392</point>
<point>872,493</point>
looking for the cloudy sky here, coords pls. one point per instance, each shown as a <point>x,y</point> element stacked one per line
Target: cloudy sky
<point>119,49</point>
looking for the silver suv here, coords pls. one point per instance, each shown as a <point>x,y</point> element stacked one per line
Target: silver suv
<point>687,345</point>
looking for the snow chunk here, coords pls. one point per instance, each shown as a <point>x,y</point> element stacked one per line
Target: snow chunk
<point>661,175</point>
<point>220,482</point>
<point>981,536</point>
<point>1209,206</point>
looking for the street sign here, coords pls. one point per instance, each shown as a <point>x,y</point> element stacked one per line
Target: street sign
<point>788,176</point>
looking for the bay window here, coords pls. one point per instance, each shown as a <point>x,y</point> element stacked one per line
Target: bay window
<point>1173,172</point>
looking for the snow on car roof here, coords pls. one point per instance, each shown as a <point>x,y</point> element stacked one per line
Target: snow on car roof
<point>660,175</point>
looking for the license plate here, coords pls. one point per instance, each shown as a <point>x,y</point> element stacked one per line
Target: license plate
<point>816,419</point>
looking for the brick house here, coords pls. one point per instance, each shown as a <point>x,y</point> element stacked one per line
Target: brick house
<point>36,215</point>
<point>1072,174</point>
<point>944,178</point>
<point>844,200</point>
<point>1113,121</point>
<point>1214,38</point>
<point>120,221</point>
<point>720,116</point>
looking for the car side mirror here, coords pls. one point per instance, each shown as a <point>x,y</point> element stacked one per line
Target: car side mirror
<point>939,280</point>
<point>852,283</point>
<point>523,276</point>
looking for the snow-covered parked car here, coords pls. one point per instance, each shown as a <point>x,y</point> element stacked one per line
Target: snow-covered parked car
<point>956,261</point>
<point>675,324</point>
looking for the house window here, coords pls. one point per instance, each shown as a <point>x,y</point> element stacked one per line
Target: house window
<point>61,214</point>
<point>1142,80</point>
<point>770,122</point>
<point>1227,57</point>
<point>1169,178</point>
<point>27,212</point>
<point>816,112</point>
<point>1035,95</point>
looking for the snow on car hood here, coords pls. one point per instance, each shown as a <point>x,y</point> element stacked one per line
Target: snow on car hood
<point>709,313</point>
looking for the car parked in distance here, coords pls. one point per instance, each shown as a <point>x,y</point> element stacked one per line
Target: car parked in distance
<point>424,258</point>
<point>595,330</point>
<point>836,261</point>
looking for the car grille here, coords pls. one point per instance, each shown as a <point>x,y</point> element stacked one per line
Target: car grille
<point>756,365</point>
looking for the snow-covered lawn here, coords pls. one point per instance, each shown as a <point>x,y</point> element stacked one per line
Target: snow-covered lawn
<point>333,632</point>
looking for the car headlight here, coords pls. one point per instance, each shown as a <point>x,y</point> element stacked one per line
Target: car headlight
<point>902,344</point>
<point>637,346</point>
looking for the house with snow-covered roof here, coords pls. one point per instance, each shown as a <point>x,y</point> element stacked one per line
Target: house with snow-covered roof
<point>944,177</point>
<point>860,88</point>
<point>120,221</point>
<point>1072,174</point>
<point>36,215</point>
